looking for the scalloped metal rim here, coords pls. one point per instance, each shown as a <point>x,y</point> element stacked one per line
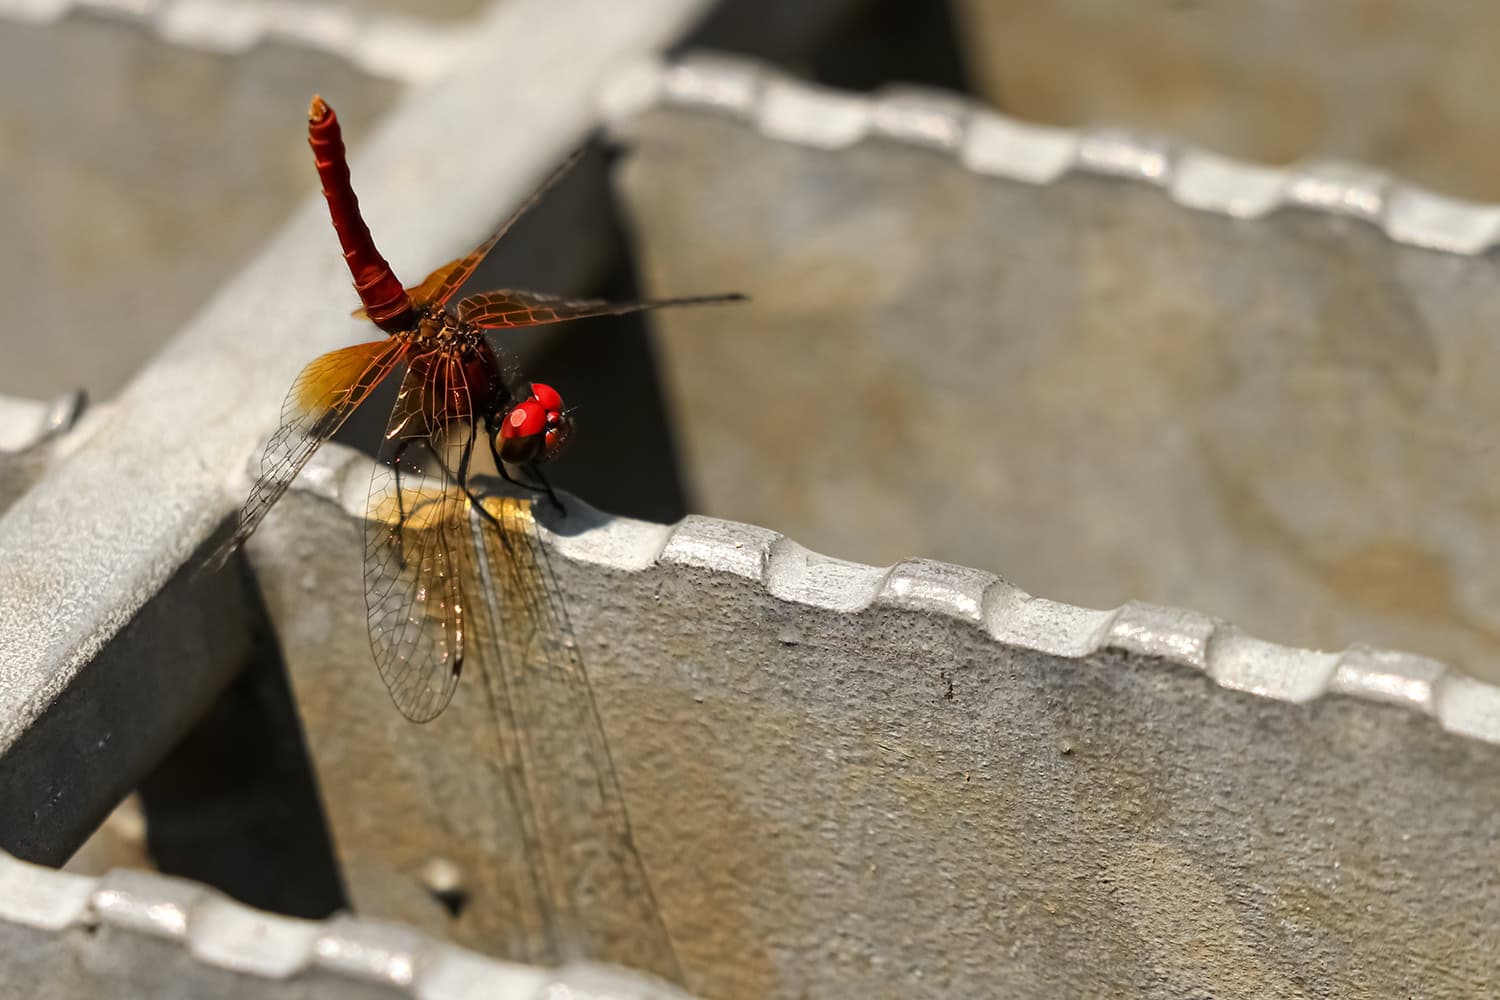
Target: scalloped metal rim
<point>788,571</point>
<point>235,937</point>
<point>1460,703</point>
<point>224,934</point>
<point>394,46</point>
<point>990,143</point>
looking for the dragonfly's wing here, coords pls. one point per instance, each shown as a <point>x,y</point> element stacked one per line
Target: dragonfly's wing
<point>597,897</point>
<point>438,287</point>
<point>418,548</point>
<point>510,307</point>
<point>320,400</point>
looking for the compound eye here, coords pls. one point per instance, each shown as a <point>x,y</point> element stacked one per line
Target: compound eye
<point>523,432</point>
<point>549,397</point>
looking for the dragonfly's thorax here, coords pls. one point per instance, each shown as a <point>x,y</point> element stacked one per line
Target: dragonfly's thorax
<point>459,365</point>
<point>436,326</point>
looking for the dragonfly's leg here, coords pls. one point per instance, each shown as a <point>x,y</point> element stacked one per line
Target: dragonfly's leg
<point>545,487</point>
<point>536,474</point>
<point>463,477</point>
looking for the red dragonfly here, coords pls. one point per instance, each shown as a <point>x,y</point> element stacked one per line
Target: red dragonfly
<point>420,554</point>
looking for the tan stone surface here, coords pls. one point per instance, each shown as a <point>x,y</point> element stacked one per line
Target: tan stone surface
<point>1402,84</point>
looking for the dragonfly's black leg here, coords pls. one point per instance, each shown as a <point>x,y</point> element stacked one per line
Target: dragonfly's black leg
<point>532,470</point>
<point>463,477</point>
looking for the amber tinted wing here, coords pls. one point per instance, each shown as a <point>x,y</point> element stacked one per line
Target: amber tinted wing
<point>439,286</point>
<point>511,308</point>
<point>320,400</point>
<point>418,548</point>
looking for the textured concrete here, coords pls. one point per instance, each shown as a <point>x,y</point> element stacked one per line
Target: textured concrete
<point>1400,84</point>
<point>1111,367</point>
<point>920,781</point>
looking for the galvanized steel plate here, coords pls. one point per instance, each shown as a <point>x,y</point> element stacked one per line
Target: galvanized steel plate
<point>846,780</point>
<point>1106,365</point>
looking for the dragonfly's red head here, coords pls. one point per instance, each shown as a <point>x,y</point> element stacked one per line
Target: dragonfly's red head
<point>535,429</point>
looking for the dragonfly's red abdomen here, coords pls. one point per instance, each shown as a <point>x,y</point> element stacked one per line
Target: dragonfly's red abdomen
<point>384,299</point>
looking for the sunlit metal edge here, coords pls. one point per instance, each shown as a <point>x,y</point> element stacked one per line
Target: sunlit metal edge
<point>27,423</point>
<point>1170,636</point>
<point>219,933</point>
<point>394,46</point>
<point>989,143</point>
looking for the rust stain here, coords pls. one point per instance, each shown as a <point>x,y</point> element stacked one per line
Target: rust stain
<point>1392,576</point>
<point>1191,925</point>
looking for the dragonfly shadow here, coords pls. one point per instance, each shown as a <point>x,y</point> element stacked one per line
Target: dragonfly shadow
<point>573,520</point>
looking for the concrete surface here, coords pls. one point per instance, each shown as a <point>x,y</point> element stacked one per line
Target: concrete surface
<point>1109,366</point>
<point>919,780</point>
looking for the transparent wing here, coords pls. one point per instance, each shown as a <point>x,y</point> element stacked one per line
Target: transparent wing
<point>511,307</point>
<point>327,391</point>
<point>418,547</point>
<point>438,287</point>
<point>597,899</point>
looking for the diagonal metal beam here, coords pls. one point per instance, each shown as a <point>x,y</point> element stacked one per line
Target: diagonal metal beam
<point>105,650</point>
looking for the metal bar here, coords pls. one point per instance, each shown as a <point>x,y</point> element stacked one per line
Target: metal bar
<point>27,423</point>
<point>97,544</point>
<point>131,934</point>
<point>32,434</point>
<point>989,143</point>
<point>397,47</point>
<point>1110,365</point>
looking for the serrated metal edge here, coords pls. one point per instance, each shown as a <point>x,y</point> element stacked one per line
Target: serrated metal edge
<point>989,143</point>
<point>223,934</point>
<point>791,572</point>
<point>27,423</point>
<point>396,47</point>
<point>1229,657</point>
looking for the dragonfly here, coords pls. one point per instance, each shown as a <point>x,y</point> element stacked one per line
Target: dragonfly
<point>450,574</point>
<point>421,557</point>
